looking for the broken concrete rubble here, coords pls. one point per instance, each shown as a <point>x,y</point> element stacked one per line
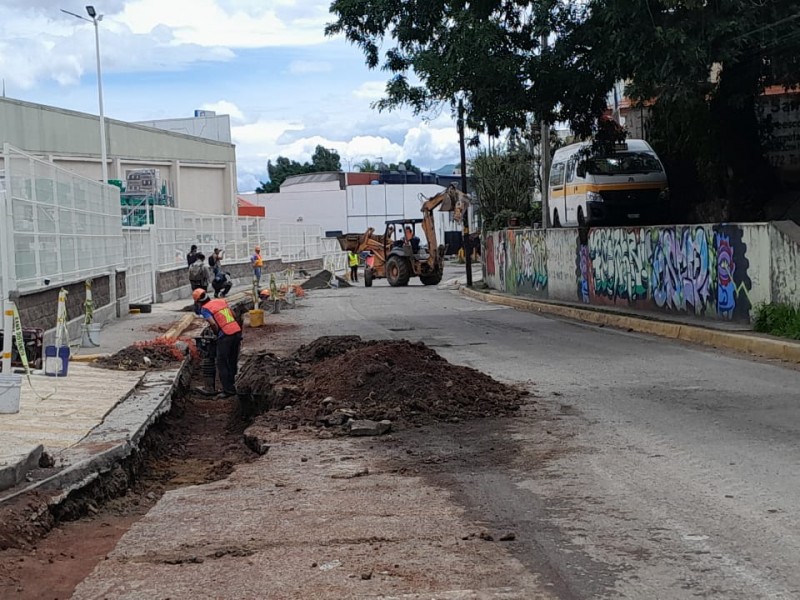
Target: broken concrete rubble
<point>367,427</point>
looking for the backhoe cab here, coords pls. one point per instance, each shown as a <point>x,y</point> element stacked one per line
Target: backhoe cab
<point>398,254</point>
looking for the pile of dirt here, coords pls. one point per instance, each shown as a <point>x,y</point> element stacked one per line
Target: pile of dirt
<point>335,379</point>
<point>152,355</point>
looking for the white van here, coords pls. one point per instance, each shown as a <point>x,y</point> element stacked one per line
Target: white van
<point>628,186</point>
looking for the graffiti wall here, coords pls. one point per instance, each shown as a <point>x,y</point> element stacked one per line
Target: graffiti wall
<point>516,261</point>
<point>705,271</point>
<point>697,269</point>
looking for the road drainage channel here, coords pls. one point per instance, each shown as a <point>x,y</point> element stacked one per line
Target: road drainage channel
<point>47,551</point>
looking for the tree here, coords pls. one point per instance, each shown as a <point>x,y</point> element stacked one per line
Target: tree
<point>367,166</point>
<point>699,62</point>
<point>323,159</point>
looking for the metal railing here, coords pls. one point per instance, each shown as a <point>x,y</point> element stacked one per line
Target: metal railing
<point>63,227</point>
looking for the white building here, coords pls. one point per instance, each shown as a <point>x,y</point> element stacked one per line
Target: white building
<point>351,203</point>
<point>200,173</point>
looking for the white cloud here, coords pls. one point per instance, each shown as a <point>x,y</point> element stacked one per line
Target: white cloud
<point>232,24</point>
<point>370,90</point>
<point>301,67</point>
<point>223,107</point>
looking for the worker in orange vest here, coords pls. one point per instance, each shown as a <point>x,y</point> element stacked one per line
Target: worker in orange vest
<point>257,262</point>
<point>222,321</point>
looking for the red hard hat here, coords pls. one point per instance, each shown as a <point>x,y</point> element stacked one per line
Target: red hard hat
<point>199,295</point>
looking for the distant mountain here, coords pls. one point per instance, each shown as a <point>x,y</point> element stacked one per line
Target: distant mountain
<point>448,170</point>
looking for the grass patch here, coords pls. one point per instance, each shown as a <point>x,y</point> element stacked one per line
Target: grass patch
<point>778,319</point>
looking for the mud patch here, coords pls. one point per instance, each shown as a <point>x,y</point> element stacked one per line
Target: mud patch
<point>335,379</point>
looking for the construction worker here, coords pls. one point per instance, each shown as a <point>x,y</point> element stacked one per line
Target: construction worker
<point>229,338</point>
<point>257,262</point>
<point>352,260</point>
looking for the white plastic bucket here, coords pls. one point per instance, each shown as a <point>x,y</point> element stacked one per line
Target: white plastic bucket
<point>10,388</point>
<point>91,335</point>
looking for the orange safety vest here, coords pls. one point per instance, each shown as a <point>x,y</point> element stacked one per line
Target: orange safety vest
<point>257,260</point>
<point>223,316</point>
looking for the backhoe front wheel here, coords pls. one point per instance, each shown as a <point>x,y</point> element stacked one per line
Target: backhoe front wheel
<point>367,277</point>
<point>398,271</point>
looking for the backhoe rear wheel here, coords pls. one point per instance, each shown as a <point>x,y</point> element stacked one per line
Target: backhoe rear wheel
<point>398,271</point>
<point>367,277</point>
<point>431,278</point>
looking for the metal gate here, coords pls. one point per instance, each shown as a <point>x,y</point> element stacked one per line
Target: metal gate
<point>140,263</point>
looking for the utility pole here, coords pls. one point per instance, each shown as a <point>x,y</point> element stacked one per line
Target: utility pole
<point>545,159</point>
<point>465,221</point>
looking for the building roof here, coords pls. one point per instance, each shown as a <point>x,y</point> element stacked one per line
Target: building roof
<point>312,178</point>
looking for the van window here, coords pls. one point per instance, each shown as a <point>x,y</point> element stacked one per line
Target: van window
<point>557,175</point>
<point>626,163</point>
<point>571,170</point>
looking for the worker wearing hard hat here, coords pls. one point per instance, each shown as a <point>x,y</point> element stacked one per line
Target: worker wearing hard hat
<point>257,262</point>
<point>229,337</point>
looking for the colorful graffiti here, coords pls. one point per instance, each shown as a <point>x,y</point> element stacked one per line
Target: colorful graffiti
<point>526,271</point>
<point>692,269</point>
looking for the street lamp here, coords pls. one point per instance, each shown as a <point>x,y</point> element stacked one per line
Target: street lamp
<point>95,19</point>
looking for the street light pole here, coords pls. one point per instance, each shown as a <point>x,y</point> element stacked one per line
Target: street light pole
<point>95,20</point>
<point>465,222</point>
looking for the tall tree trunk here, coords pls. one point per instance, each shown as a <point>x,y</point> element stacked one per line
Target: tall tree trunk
<point>746,176</point>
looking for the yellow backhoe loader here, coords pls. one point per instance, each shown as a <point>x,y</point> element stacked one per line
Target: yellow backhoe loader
<point>398,255</point>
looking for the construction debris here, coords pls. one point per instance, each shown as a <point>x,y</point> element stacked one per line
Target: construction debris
<point>366,387</point>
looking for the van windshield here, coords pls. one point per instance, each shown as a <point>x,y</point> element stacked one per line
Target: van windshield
<point>623,163</point>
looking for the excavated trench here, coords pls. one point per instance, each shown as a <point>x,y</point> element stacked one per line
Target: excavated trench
<point>47,549</point>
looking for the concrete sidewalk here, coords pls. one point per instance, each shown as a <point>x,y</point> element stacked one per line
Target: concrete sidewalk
<point>716,334</point>
<point>56,414</point>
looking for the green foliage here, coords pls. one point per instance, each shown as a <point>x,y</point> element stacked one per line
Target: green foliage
<point>778,319</point>
<point>700,66</point>
<point>504,181</point>
<point>322,160</point>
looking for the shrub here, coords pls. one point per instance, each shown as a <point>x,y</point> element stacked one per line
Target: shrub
<point>778,319</point>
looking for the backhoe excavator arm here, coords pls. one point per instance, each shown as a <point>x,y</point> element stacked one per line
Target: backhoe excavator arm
<point>451,200</point>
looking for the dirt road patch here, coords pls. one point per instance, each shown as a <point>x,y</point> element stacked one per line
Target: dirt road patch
<point>335,379</point>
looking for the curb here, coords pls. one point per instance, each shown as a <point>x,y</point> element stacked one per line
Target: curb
<point>748,344</point>
<point>115,438</point>
<point>11,475</point>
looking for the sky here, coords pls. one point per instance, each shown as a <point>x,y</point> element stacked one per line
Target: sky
<point>266,63</point>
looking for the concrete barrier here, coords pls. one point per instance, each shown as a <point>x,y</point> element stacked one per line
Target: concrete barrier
<point>706,271</point>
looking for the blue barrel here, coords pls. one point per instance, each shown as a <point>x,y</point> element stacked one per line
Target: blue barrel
<point>56,361</point>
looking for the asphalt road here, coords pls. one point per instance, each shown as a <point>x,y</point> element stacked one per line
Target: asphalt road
<point>654,469</point>
<point>646,469</point>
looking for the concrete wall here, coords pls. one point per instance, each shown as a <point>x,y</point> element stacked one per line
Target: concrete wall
<point>40,309</point>
<point>70,139</point>
<point>173,284</point>
<point>705,271</point>
<point>785,253</point>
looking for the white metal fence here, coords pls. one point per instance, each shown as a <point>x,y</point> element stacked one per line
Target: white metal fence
<point>140,264</point>
<point>334,258</point>
<point>62,227</point>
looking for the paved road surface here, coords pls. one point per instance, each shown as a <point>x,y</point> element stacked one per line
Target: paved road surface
<point>650,469</point>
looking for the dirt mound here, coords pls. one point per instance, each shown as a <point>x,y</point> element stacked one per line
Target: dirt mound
<point>335,379</point>
<point>156,354</point>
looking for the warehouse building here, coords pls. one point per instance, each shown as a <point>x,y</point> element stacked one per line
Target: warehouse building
<point>196,173</point>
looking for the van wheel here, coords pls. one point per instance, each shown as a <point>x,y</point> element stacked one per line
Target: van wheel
<point>581,217</point>
<point>556,219</point>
